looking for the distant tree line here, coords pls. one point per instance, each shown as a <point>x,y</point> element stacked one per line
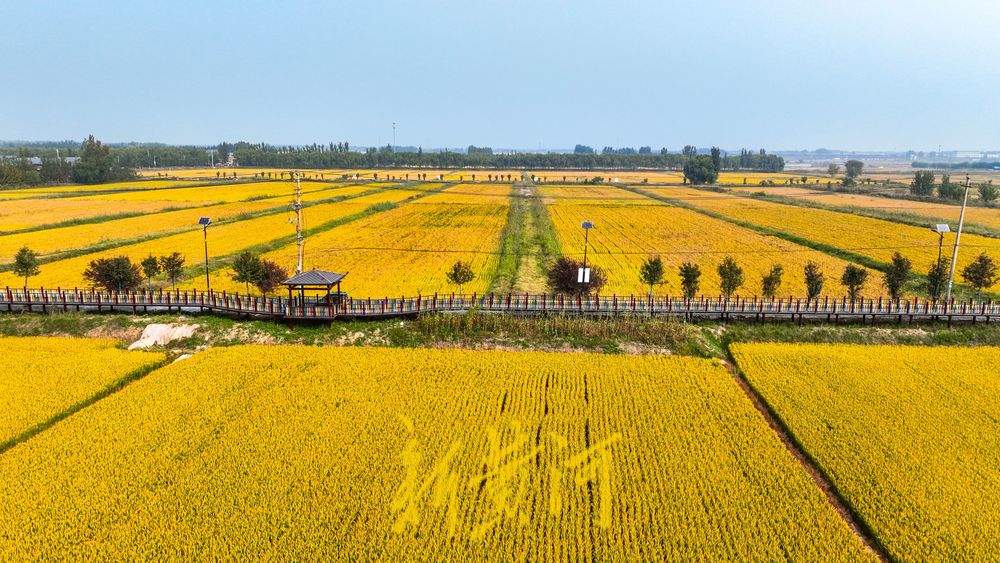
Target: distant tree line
<point>339,155</point>
<point>977,165</point>
<point>93,165</point>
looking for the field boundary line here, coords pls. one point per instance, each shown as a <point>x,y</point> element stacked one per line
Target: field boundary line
<point>819,476</point>
<point>107,391</point>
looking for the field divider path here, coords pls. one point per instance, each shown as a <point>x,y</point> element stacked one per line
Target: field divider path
<point>843,507</point>
<point>111,389</point>
<point>108,245</point>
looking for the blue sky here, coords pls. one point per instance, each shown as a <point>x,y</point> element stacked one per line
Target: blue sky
<point>777,74</point>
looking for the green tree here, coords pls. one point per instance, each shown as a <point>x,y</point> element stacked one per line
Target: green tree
<point>690,279</point>
<point>832,170</point>
<point>923,184</point>
<point>771,281</point>
<point>896,275</point>
<point>651,272</point>
<point>26,264</point>
<point>716,157</point>
<point>814,280</point>
<point>150,267</point>
<point>247,269</point>
<point>114,274</point>
<point>173,266</point>
<point>460,274</point>
<point>562,277</point>
<point>949,190</point>
<point>854,278</point>
<point>700,169</point>
<point>853,168</point>
<point>937,278</point>
<point>981,273</point>
<point>270,277</point>
<point>730,276</point>
<point>988,193</point>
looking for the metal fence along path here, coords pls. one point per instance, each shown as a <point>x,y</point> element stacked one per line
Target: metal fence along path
<point>321,309</point>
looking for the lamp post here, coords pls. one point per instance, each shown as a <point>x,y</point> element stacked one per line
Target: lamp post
<point>958,237</point>
<point>205,222</point>
<point>583,276</point>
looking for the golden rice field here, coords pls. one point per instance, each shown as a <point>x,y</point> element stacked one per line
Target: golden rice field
<point>48,375</point>
<point>131,185</point>
<point>62,239</point>
<point>260,452</point>
<point>226,240</point>
<point>26,213</point>
<point>634,227</point>
<point>907,434</point>
<point>874,238</point>
<point>408,250</point>
<point>934,212</point>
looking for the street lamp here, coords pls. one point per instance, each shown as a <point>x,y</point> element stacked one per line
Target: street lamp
<point>205,222</point>
<point>583,275</point>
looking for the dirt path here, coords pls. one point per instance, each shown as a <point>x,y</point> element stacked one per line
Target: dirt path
<point>822,481</point>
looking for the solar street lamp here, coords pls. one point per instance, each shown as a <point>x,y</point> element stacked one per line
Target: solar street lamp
<point>583,274</point>
<point>205,222</point>
<point>941,229</point>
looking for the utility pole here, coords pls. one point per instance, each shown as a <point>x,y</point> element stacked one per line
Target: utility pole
<point>297,206</point>
<point>958,238</point>
<point>393,135</point>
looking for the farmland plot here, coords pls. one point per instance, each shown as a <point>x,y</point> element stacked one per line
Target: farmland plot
<point>354,453</point>
<point>629,230</point>
<point>907,434</point>
<point>873,238</point>
<point>47,375</point>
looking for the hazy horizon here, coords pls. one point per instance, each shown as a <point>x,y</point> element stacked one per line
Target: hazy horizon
<point>780,75</point>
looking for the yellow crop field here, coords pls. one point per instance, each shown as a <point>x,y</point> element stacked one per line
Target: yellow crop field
<point>934,212</point>
<point>626,234</point>
<point>214,193</point>
<point>62,239</point>
<point>471,194</point>
<point>907,434</point>
<point>26,213</point>
<point>49,375</point>
<point>355,453</point>
<point>132,185</point>
<point>875,238</point>
<point>406,250</point>
<point>588,194</point>
<point>224,240</point>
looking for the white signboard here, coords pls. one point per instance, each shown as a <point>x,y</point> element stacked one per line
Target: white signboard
<point>583,275</point>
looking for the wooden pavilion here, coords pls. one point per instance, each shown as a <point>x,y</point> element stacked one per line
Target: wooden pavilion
<point>315,280</point>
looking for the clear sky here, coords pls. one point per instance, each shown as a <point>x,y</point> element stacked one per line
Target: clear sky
<point>777,74</point>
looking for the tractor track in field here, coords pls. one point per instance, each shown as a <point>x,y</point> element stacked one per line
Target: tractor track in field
<point>847,513</point>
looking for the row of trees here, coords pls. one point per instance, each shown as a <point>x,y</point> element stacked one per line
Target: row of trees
<point>923,185</point>
<point>338,156</point>
<point>981,273</point>
<point>121,274</point>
